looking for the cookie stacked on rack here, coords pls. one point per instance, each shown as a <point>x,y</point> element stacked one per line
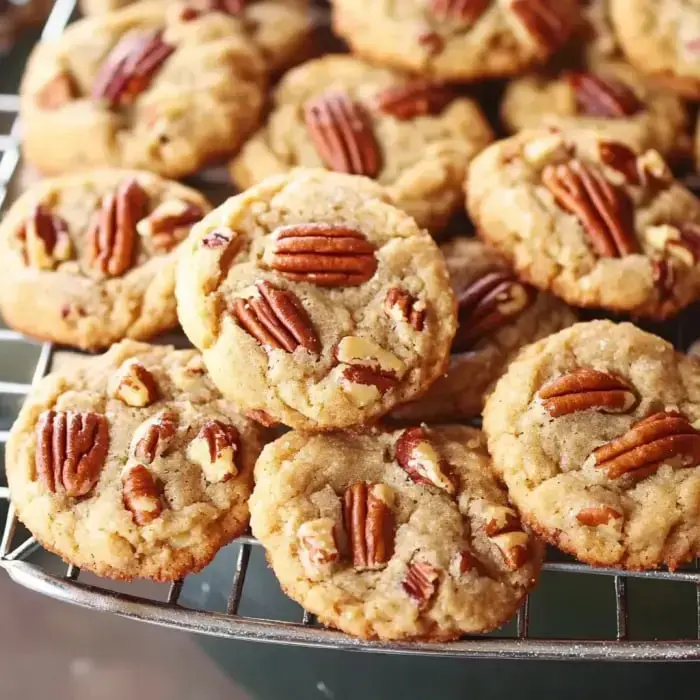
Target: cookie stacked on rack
<point>318,300</point>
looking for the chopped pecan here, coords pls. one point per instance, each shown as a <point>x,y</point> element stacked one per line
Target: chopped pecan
<point>369,522</point>
<point>318,548</point>
<point>604,210</point>
<point>499,519</point>
<point>654,170</point>
<point>585,388</point>
<point>342,134</point>
<point>368,377</point>
<point>621,158</point>
<point>111,237</point>
<point>276,319</point>
<point>430,40</point>
<point>547,26</point>
<point>218,239</point>
<point>487,304</point>
<point>603,97</point>
<point>262,417</point>
<point>328,255</point>
<point>515,548</point>
<point>502,526</point>
<point>681,242</point>
<point>420,581</point>
<point>46,240</point>
<point>415,98</point>
<point>57,92</point>
<point>402,306</point>
<point>420,460</point>
<point>153,437</point>
<point>597,515</point>
<point>130,66</point>
<point>463,11</point>
<point>664,277</point>
<point>141,494</point>
<point>368,364</point>
<point>462,563</point>
<point>134,385</point>
<point>71,450</point>
<point>214,450</point>
<point>169,223</point>
<point>648,444</point>
<point>545,149</point>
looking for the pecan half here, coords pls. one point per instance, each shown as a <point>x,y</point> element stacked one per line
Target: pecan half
<point>57,92</point>
<point>585,388</point>
<point>648,444</point>
<point>604,210</point>
<point>369,522</point>
<point>597,515</point>
<point>463,11</point>
<point>402,306</point>
<point>134,385</point>
<point>111,238</point>
<point>547,27</point>
<point>71,450</point>
<point>603,97</point>
<point>276,319</point>
<point>328,255</point>
<point>169,223</point>
<point>318,548</point>
<point>342,134</point>
<point>487,305</point>
<point>214,450</point>
<point>153,437</point>
<point>415,98</point>
<point>420,581</point>
<point>46,240</point>
<point>130,66</point>
<point>141,494</point>
<point>420,460</point>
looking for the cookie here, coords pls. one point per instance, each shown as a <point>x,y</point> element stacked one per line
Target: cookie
<point>454,40</point>
<point>662,39</point>
<point>413,136</point>
<point>595,432</point>
<point>131,465</point>
<point>497,315</point>
<point>590,220</point>
<point>614,100</point>
<point>90,258</point>
<point>143,87</point>
<point>393,535</point>
<point>315,301</point>
<point>280,29</point>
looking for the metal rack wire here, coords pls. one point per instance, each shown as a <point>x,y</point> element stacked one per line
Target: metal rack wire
<point>17,549</point>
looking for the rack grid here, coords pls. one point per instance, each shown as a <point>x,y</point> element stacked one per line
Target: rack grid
<point>17,549</point>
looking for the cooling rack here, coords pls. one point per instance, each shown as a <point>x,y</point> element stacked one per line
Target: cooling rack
<point>23,561</point>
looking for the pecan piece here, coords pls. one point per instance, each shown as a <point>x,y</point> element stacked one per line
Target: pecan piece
<point>130,66</point>
<point>111,238</point>
<point>648,444</point>
<point>430,40</point>
<point>318,547</point>
<point>681,242</point>
<point>169,223</point>
<point>45,238</point>
<point>369,522</point>
<point>597,515</point>
<point>57,92</point>
<point>420,581</point>
<point>502,526</point>
<point>71,450</point>
<point>585,388</point>
<point>515,548</point>
<point>603,97</point>
<point>487,305</point>
<point>342,134</point>
<point>141,494</point>
<point>328,255</point>
<point>621,158</point>
<point>604,210</point>
<point>664,277</point>
<point>463,11</point>
<point>462,563</point>
<point>415,98</point>
<point>134,385</point>
<point>214,450</point>
<point>402,306</point>
<point>153,437</point>
<point>547,27</point>
<point>276,319</point>
<point>420,460</point>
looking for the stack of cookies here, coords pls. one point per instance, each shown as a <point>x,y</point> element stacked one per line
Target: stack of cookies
<point>318,299</point>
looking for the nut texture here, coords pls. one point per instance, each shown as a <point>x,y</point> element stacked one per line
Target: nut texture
<point>421,461</point>
<point>402,306</point>
<point>153,437</point>
<point>540,18</point>
<point>603,97</point>
<point>621,158</point>
<point>71,451</point>
<point>415,98</point>
<point>597,515</point>
<point>46,240</point>
<point>214,450</point>
<point>141,494</point>
<point>318,549</point>
<point>135,385</point>
<point>421,581</point>
<point>169,223</point>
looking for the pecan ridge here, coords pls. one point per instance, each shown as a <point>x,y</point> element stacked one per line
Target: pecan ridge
<point>415,98</point>
<point>547,27</point>
<point>421,581</point>
<point>603,97</point>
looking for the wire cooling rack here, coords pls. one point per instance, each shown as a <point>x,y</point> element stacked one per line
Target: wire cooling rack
<point>567,582</point>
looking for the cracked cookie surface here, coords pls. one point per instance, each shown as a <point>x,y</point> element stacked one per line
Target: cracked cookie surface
<point>131,464</point>
<point>498,315</point>
<point>391,535</point>
<point>589,219</point>
<point>142,87</point>
<point>90,258</point>
<point>423,132</point>
<point>595,432</point>
<point>329,302</point>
